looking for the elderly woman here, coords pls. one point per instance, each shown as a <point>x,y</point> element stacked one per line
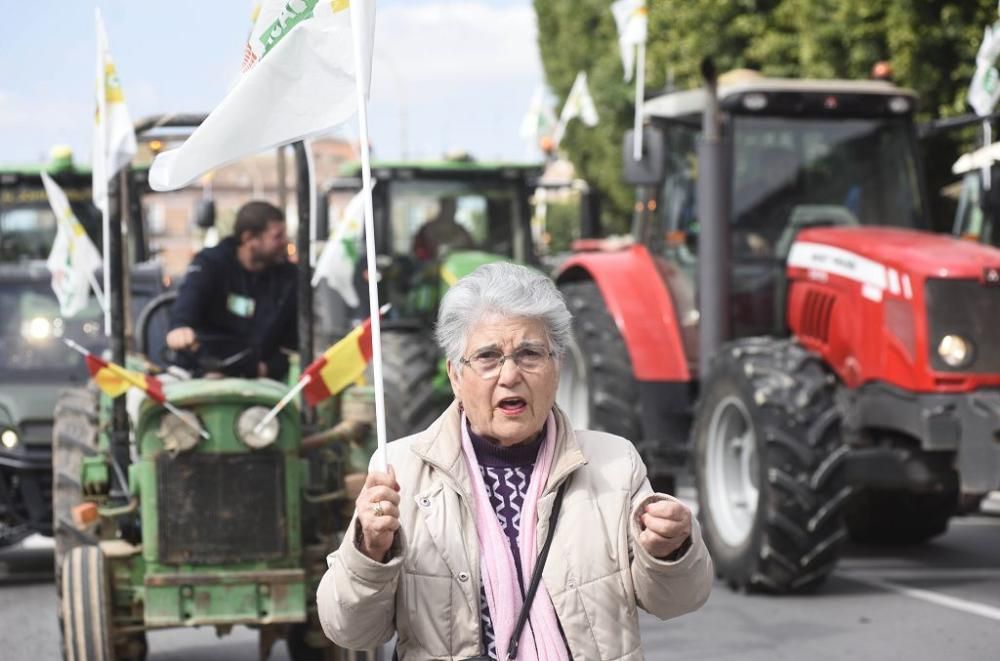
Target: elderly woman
<point>443,548</point>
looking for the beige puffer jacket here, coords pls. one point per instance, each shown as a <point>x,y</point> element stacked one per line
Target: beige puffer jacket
<point>428,592</point>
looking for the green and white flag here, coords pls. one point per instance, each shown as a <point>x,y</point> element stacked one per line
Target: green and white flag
<point>984,90</point>
<point>580,104</point>
<point>539,121</point>
<point>74,257</point>
<point>630,16</point>
<point>298,80</point>
<point>337,262</point>
<point>114,136</point>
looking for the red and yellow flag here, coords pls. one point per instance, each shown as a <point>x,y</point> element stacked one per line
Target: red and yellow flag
<point>114,379</point>
<point>339,366</point>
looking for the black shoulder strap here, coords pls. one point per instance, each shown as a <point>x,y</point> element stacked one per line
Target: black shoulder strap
<point>536,576</point>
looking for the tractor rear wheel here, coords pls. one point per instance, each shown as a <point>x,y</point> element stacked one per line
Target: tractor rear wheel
<point>85,606</point>
<point>767,454</point>
<point>597,389</point>
<point>409,367</point>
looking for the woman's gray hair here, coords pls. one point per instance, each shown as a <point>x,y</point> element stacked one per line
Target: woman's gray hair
<point>508,290</point>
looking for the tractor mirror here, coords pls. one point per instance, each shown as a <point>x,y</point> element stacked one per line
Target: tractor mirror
<point>649,169</point>
<point>204,214</point>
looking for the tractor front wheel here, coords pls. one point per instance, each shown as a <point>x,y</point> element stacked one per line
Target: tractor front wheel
<point>85,608</point>
<point>767,455</point>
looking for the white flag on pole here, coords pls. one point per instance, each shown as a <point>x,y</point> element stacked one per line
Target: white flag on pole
<point>337,262</point>
<point>630,16</point>
<point>74,257</point>
<point>298,80</point>
<point>114,136</point>
<point>984,90</point>
<point>580,104</point>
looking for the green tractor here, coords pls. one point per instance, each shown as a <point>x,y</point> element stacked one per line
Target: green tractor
<point>434,223</point>
<point>35,365</point>
<point>159,526</point>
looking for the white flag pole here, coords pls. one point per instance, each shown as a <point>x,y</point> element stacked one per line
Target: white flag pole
<point>313,192</point>
<point>101,149</point>
<point>373,277</point>
<point>640,85</point>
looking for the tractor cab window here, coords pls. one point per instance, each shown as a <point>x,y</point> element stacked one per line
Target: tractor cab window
<point>431,219</point>
<point>789,174</point>
<point>27,231</point>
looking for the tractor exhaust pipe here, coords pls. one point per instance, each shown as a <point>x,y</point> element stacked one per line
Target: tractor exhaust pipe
<point>713,237</point>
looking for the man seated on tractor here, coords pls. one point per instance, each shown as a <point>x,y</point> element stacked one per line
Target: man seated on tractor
<point>236,309</point>
<point>440,233</point>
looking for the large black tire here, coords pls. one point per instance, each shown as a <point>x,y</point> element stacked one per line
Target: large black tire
<point>899,518</point>
<point>74,437</point>
<point>597,388</point>
<point>85,606</point>
<point>409,366</point>
<point>768,454</point>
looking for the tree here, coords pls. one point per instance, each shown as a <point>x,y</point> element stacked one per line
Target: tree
<point>931,45</point>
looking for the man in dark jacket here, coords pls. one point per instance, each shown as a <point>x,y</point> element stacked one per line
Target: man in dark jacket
<point>238,299</point>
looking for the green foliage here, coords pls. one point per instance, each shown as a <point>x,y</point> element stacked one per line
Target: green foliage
<point>931,45</point>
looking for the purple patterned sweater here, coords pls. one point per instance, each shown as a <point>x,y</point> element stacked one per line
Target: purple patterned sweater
<point>506,472</point>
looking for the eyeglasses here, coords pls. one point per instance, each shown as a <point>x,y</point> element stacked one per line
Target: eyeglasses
<point>488,362</point>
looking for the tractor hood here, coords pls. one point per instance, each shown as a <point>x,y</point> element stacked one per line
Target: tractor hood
<point>908,251</point>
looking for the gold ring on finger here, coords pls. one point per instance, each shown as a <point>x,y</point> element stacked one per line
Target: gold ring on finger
<point>377,508</point>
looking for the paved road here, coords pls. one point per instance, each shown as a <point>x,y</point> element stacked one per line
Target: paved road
<point>938,601</point>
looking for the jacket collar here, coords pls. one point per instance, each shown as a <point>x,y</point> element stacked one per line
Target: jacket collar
<point>441,446</point>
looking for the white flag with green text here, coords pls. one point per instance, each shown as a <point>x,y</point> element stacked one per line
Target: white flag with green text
<point>984,90</point>
<point>337,262</point>
<point>114,136</point>
<point>74,257</point>
<point>630,16</point>
<point>298,80</point>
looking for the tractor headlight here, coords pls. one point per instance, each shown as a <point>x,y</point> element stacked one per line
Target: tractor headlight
<point>247,431</point>
<point>37,329</point>
<point>8,438</point>
<point>955,350</point>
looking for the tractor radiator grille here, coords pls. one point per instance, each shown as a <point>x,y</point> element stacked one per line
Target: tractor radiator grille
<point>816,314</point>
<point>967,308</point>
<point>221,508</point>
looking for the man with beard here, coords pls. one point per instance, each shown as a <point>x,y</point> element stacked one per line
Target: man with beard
<point>235,313</point>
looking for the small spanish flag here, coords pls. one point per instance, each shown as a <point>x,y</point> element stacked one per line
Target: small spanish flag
<point>114,379</point>
<point>339,366</point>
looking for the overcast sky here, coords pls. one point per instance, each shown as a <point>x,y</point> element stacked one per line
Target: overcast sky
<point>447,74</point>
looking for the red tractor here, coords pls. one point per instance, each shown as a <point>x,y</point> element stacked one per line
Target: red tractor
<point>783,317</point>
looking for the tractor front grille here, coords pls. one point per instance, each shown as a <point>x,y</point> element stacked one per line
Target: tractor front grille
<point>968,308</point>
<point>221,508</point>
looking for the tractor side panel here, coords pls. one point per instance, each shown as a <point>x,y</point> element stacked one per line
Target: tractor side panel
<point>638,300</point>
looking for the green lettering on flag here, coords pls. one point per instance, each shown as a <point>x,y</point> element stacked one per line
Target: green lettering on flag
<point>295,12</point>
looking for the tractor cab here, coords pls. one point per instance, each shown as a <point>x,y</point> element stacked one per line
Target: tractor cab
<point>978,209</point>
<point>434,223</point>
<point>802,154</point>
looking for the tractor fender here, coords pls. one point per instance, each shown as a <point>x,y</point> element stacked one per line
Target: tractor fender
<point>637,299</point>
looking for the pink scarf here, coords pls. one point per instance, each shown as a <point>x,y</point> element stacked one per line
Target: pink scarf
<point>497,563</point>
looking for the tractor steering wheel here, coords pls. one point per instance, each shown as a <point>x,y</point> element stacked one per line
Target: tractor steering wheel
<point>216,353</point>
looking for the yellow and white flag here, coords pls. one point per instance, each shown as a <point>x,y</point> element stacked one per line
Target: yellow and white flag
<point>580,104</point>
<point>114,136</point>
<point>298,80</point>
<point>630,16</point>
<point>74,257</point>
<point>337,262</point>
